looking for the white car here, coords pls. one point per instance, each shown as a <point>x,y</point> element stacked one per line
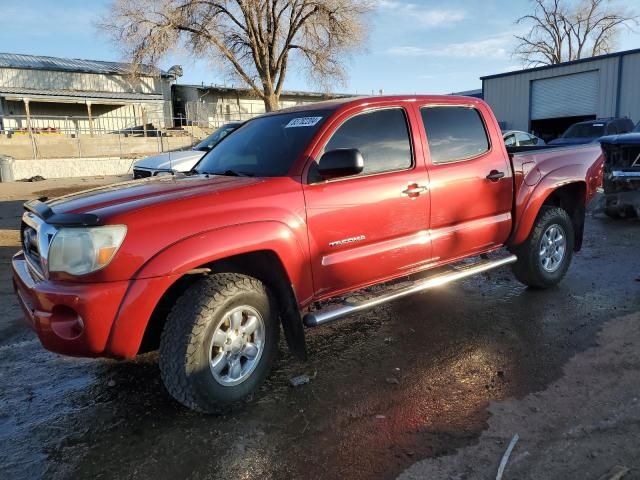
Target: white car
<point>516,138</point>
<point>181,161</point>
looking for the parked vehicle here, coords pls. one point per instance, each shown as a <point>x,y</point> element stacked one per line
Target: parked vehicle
<point>515,138</point>
<point>181,161</point>
<point>622,174</point>
<point>282,221</point>
<point>591,130</point>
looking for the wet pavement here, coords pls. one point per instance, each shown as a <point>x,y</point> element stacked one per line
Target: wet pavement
<point>403,382</point>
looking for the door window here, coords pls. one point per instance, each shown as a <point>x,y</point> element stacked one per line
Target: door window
<point>381,136</point>
<point>454,133</point>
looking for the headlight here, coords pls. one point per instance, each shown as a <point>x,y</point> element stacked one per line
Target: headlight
<point>79,251</point>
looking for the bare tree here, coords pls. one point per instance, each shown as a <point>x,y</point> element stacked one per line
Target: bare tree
<point>255,39</point>
<point>565,30</point>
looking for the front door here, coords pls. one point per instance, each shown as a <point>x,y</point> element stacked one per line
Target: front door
<point>372,226</point>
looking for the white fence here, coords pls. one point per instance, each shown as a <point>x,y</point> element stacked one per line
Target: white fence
<point>72,136</point>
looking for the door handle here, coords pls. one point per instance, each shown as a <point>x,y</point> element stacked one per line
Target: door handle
<point>414,190</point>
<point>495,175</point>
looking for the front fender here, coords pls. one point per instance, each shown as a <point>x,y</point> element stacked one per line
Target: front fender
<point>530,199</point>
<point>207,247</point>
<point>165,268</point>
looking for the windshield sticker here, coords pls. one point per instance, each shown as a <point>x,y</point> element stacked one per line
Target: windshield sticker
<point>303,122</point>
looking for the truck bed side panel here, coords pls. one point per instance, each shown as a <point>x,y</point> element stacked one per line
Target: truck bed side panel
<point>537,174</point>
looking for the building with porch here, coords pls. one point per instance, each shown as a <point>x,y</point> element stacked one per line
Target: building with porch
<point>41,94</point>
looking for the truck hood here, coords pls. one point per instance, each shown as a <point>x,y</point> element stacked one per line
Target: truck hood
<point>182,161</point>
<point>625,139</point>
<point>129,196</point>
<point>572,141</point>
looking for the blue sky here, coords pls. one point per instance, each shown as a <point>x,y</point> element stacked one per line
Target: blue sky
<point>414,47</point>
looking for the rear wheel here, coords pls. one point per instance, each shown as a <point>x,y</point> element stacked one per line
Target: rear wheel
<point>219,342</point>
<point>614,212</point>
<point>543,259</point>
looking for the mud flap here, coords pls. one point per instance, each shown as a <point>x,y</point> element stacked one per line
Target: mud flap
<point>294,332</point>
<point>577,220</point>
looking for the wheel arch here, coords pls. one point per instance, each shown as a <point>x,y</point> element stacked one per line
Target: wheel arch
<point>570,195</point>
<point>276,258</point>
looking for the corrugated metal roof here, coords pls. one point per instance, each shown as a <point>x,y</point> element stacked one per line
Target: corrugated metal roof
<point>285,93</point>
<point>59,94</point>
<point>39,62</point>
<point>564,64</point>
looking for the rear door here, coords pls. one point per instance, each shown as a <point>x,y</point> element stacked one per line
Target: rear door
<point>371,226</point>
<point>471,181</point>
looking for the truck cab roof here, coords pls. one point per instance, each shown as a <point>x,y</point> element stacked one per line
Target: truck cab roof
<point>360,101</point>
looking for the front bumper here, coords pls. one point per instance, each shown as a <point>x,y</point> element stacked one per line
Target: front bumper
<point>69,318</point>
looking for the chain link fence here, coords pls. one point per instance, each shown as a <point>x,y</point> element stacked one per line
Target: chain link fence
<point>50,136</point>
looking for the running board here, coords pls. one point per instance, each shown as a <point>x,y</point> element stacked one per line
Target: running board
<point>320,317</point>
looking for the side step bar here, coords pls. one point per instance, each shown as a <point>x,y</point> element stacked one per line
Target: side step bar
<point>320,317</point>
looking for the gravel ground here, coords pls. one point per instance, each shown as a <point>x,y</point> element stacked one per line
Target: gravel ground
<point>433,386</point>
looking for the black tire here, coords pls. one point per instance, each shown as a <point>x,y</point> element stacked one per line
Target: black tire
<point>528,269</point>
<point>614,213</point>
<point>185,344</point>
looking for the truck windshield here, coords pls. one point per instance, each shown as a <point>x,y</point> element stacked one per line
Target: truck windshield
<point>263,147</point>
<point>585,130</point>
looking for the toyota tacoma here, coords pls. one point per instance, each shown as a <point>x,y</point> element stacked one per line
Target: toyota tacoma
<point>286,225</point>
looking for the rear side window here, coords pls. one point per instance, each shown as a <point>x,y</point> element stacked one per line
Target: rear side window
<point>454,133</point>
<point>381,136</point>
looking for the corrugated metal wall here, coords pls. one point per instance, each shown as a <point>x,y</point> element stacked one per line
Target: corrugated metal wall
<point>90,82</point>
<point>629,103</point>
<point>509,96</point>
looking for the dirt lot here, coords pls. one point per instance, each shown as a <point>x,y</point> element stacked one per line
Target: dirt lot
<point>433,386</point>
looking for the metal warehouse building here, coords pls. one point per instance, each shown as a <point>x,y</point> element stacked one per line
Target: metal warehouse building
<point>547,100</point>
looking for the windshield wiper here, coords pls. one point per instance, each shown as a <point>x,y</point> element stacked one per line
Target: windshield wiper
<point>231,173</point>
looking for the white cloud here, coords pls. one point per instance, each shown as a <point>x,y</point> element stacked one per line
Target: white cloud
<point>428,17</point>
<point>492,47</point>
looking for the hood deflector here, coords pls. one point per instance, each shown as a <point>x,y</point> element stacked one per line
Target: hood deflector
<point>45,212</point>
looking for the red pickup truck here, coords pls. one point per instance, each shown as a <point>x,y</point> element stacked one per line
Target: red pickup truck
<point>295,208</point>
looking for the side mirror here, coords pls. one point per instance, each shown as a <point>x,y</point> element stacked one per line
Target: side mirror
<point>342,162</point>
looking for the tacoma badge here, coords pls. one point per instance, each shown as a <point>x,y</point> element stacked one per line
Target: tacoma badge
<point>346,241</point>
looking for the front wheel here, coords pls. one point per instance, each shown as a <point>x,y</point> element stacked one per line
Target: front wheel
<point>543,259</point>
<point>219,342</point>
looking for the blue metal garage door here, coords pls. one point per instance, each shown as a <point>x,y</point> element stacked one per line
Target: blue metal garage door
<point>566,96</point>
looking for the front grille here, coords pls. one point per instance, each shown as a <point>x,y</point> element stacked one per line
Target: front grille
<point>141,173</point>
<point>30,246</point>
<point>621,157</point>
<point>35,237</point>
